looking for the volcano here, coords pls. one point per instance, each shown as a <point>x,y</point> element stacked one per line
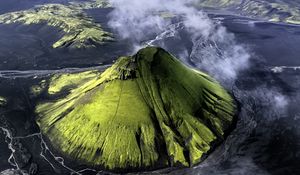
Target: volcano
<point>146,111</point>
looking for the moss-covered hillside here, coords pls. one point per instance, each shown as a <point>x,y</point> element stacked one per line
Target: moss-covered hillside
<point>80,31</point>
<point>147,111</point>
<point>2,101</point>
<point>275,11</point>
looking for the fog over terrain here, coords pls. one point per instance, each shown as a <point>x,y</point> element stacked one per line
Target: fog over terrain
<point>250,47</point>
<point>214,49</point>
<point>141,19</point>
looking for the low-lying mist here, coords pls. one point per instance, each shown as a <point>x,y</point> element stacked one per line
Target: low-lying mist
<point>214,49</point>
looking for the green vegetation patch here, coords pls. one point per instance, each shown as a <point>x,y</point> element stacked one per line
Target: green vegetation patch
<point>271,11</point>
<point>2,101</point>
<point>91,4</point>
<point>80,31</point>
<point>147,111</point>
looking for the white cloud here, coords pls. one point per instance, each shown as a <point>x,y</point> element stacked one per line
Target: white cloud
<point>214,49</point>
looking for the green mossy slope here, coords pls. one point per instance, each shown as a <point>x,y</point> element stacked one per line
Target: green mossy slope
<point>2,101</point>
<point>80,31</point>
<point>274,11</point>
<point>146,111</point>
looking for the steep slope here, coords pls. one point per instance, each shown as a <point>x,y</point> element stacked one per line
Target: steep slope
<point>145,111</point>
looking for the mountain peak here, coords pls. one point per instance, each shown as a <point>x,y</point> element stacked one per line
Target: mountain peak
<point>146,111</point>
